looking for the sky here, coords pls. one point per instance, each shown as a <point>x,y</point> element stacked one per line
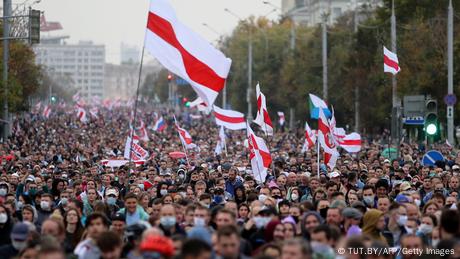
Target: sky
<point>111,22</point>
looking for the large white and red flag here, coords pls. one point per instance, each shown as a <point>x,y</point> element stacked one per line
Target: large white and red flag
<point>200,105</point>
<point>184,52</point>
<point>134,151</point>
<point>262,118</point>
<point>310,138</point>
<point>350,142</point>
<point>327,141</point>
<point>390,62</point>
<point>184,136</point>
<point>229,119</point>
<point>259,155</point>
<point>46,111</point>
<point>81,114</point>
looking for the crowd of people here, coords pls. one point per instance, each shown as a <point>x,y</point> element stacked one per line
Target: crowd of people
<point>57,200</point>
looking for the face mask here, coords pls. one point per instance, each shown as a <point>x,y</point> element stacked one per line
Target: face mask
<point>3,192</point>
<point>183,194</point>
<point>141,185</point>
<point>32,192</point>
<point>294,196</point>
<point>296,219</point>
<point>168,222</point>
<point>402,220</point>
<point>181,176</point>
<point>45,205</point>
<point>3,218</point>
<point>434,242</point>
<point>64,201</point>
<point>199,222</point>
<point>18,245</point>
<point>163,192</point>
<point>277,197</point>
<point>417,202</point>
<point>111,200</point>
<point>260,222</point>
<point>409,230</point>
<point>425,229</point>
<point>369,200</point>
<point>205,205</point>
<point>19,205</point>
<point>262,197</point>
<point>323,212</point>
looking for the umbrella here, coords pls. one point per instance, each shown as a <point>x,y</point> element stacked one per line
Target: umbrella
<point>390,153</point>
<point>177,154</point>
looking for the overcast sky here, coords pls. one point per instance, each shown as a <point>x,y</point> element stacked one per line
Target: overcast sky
<point>112,22</point>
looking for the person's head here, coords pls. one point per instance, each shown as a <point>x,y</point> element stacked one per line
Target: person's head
<point>295,249</point>
<point>201,216</point>
<point>46,202</point>
<point>50,253</point>
<point>19,236</point>
<point>271,250</point>
<point>96,223</point>
<point>334,216</point>
<point>411,243</point>
<point>28,213</point>
<point>368,195</point>
<point>430,208</point>
<point>228,242</point>
<point>322,234</point>
<point>54,228</point>
<point>383,204</point>
<point>110,245</point>
<point>449,223</point>
<point>131,202</point>
<point>412,211</point>
<point>195,249</point>
<point>118,224</point>
<point>168,216</point>
<point>311,221</point>
<point>225,217</point>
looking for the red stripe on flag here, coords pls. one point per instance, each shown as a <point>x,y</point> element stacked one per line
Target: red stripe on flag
<point>354,142</point>
<point>198,71</point>
<point>390,62</point>
<point>228,119</point>
<point>267,119</point>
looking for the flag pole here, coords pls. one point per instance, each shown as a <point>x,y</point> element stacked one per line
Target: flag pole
<point>317,154</point>
<point>249,140</point>
<point>180,138</point>
<point>135,108</point>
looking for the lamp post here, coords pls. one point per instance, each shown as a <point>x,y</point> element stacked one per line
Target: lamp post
<point>249,89</point>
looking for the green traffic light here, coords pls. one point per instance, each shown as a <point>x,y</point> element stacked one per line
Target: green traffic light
<point>187,104</point>
<point>53,99</point>
<point>431,129</point>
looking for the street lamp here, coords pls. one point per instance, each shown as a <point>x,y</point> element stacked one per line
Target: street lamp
<point>249,89</point>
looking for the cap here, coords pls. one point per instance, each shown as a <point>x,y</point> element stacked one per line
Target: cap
<point>20,232</point>
<point>404,186</point>
<point>112,192</point>
<point>352,213</point>
<point>401,198</point>
<point>15,174</point>
<point>455,167</point>
<point>157,244</point>
<point>386,161</point>
<point>118,217</point>
<point>334,174</point>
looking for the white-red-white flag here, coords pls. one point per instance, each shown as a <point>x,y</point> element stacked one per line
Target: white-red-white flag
<point>81,114</point>
<point>185,53</point>
<point>262,118</point>
<point>390,62</point>
<point>259,155</point>
<point>46,111</point>
<point>143,135</point>
<point>281,118</point>
<point>94,111</point>
<point>327,141</point>
<point>310,138</point>
<point>351,142</point>
<point>185,137</point>
<point>201,105</point>
<point>220,146</point>
<point>229,119</point>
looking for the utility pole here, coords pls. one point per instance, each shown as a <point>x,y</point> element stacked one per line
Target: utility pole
<point>450,72</point>
<point>6,54</point>
<point>324,26</point>
<point>355,29</point>
<point>395,111</point>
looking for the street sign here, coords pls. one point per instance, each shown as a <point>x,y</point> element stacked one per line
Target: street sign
<point>414,120</point>
<point>450,112</point>
<point>450,99</point>
<point>430,158</point>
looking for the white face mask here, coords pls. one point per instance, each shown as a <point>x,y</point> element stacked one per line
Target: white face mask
<point>434,242</point>
<point>3,218</point>
<point>402,220</point>
<point>19,245</point>
<point>262,197</point>
<point>199,222</point>
<point>45,205</point>
<point>425,229</point>
<point>417,202</point>
<point>163,192</point>
<point>294,196</point>
<point>261,222</point>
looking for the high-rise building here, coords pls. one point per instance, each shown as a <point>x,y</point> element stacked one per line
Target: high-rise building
<point>312,12</point>
<point>74,65</point>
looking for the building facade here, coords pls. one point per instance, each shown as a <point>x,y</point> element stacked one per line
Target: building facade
<point>81,66</point>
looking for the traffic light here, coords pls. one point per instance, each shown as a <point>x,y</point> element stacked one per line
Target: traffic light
<point>34,26</point>
<point>431,117</point>
<point>170,77</point>
<point>186,102</point>
<point>53,99</point>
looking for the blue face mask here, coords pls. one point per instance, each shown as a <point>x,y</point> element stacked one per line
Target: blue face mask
<point>111,200</point>
<point>168,222</point>
<point>218,199</point>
